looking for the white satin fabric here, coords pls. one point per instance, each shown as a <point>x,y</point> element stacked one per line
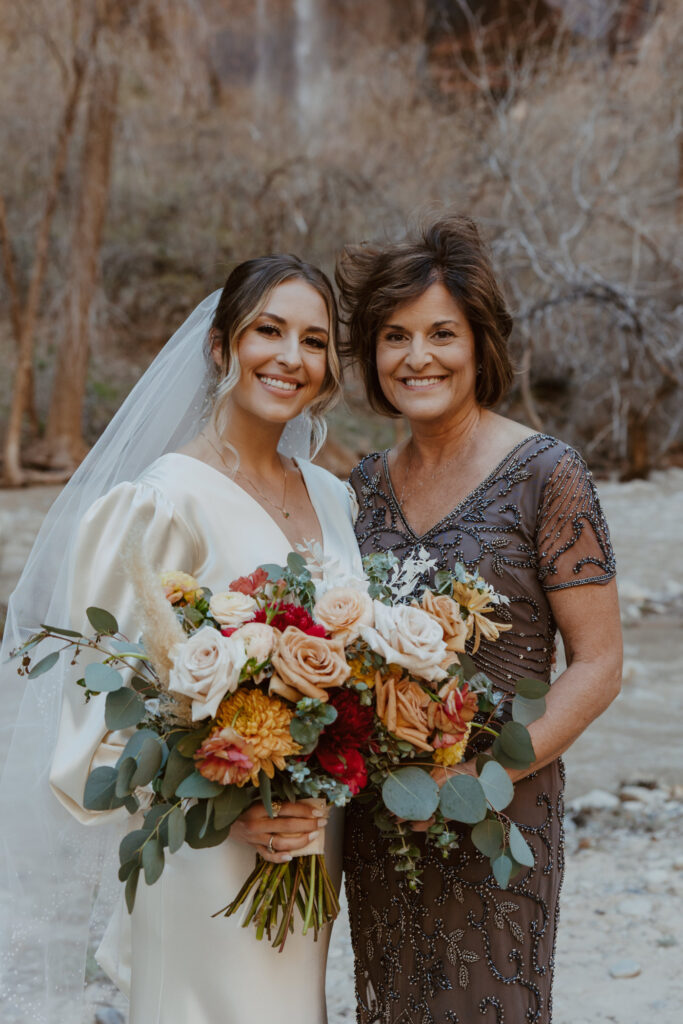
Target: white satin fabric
<point>188,968</point>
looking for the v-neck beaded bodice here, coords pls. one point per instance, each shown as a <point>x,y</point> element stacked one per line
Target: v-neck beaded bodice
<point>533,525</point>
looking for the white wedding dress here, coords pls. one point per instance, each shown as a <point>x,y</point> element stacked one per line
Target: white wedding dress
<point>187,967</point>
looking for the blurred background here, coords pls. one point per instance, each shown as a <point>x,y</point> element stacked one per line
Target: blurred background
<point>147,146</point>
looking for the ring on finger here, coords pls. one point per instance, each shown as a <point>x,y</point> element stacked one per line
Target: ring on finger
<point>270,844</point>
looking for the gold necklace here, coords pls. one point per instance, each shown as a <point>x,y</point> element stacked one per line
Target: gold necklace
<point>282,509</point>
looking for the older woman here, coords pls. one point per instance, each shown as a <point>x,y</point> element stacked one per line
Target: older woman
<point>428,328</point>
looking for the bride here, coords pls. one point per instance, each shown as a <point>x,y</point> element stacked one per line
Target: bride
<point>202,457</point>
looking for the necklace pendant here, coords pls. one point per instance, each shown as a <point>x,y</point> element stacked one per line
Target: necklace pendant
<point>286,515</point>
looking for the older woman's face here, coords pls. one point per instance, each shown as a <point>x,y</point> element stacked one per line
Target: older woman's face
<point>426,356</point>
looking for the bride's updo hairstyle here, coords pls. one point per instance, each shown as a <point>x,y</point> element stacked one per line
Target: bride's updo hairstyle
<point>244,297</point>
<point>374,279</point>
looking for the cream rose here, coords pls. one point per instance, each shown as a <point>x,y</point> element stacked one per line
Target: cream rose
<point>342,611</point>
<point>205,668</point>
<point>409,637</point>
<point>446,611</point>
<point>307,666</point>
<point>258,640</point>
<point>232,608</point>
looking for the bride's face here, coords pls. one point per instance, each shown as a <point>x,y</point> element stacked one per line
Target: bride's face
<point>283,354</point>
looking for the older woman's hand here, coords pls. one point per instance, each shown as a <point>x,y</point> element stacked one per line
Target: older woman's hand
<point>276,839</point>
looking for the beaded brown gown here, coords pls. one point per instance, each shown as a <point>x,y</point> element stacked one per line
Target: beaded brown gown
<point>461,949</point>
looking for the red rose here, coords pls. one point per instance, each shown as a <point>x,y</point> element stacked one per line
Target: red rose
<point>348,767</point>
<point>292,615</point>
<point>250,585</point>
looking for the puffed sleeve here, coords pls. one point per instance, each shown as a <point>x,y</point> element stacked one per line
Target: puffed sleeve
<point>572,538</point>
<point>98,579</point>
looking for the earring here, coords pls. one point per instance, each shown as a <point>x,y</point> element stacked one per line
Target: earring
<point>478,374</point>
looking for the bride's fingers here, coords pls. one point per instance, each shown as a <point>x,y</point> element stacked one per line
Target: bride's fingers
<point>285,844</point>
<point>297,809</point>
<point>274,857</point>
<point>289,826</point>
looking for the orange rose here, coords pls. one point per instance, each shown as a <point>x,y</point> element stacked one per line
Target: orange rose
<point>446,611</point>
<point>403,709</point>
<point>307,666</point>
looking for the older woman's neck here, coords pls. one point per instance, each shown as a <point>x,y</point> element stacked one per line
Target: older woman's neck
<point>438,440</point>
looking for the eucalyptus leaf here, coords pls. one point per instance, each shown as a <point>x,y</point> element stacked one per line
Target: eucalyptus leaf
<point>516,742</point>
<point>176,829</point>
<point>519,848</point>
<point>502,869</point>
<point>228,806</point>
<point>149,761</point>
<point>195,785</point>
<point>61,632</point>
<point>122,709</point>
<point>102,678</point>
<point>502,758</point>
<point>131,844</point>
<point>527,710</point>
<point>131,888</point>
<point>192,615</point>
<point>152,860</point>
<point>100,790</point>
<point>275,572</point>
<point>134,744</point>
<point>127,647</point>
<point>192,741</point>
<point>126,771</point>
<point>154,816</point>
<point>497,785</point>
<point>131,803</point>
<point>178,768</point>
<point>411,793</point>
<point>489,837</point>
<point>462,799</point>
<point>207,819</point>
<point>194,823</point>
<point>102,621</point>
<point>532,689</point>
<point>44,665</point>
<point>303,732</point>
<point>296,563</point>
<point>127,869</point>
<point>469,669</point>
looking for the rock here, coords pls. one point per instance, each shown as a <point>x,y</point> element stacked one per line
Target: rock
<point>667,940</point>
<point>625,969</point>
<point>109,1015</point>
<point>635,906</point>
<point>585,843</point>
<point>678,864</point>
<point>642,794</point>
<point>595,800</point>
<point>656,879</point>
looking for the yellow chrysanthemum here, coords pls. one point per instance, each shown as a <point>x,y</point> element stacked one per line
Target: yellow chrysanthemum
<point>263,722</point>
<point>180,587</point>
<point>450,756</point>
<point>360,673</point>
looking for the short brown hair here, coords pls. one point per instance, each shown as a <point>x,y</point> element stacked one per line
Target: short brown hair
<point>374,279</point>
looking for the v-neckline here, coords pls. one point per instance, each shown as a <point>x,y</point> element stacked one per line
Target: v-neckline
<point>316,508</point>
<point>419,537</point>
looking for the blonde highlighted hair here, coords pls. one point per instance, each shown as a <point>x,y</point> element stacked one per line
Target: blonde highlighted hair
<point>244,297</point>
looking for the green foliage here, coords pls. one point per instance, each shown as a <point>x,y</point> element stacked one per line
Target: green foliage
<point>411,793</point>
<point>462,798</point>
<point>527,711</point>
<point>195,785</point>
<point>102,621</point>
<point>378,567</point>
<point>532,689</point>
<point>152,860</point>
<point>497,786</point>
<point>61,632</point>
<point>177,768</point>
<point>122,709</point>
<point>228,806</point>
<point>100,790</point>
<point>489,837</point>
<point>199,837</point>
<point>175,824</point>
<point>44,665</point>
<point>515,741</point>
<point>265,792</point>
<point>502,869</point>
<point>519,848</point>
<point>102,678</point>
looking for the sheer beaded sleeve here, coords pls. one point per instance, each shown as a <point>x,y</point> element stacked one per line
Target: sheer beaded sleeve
<point>572,537</point>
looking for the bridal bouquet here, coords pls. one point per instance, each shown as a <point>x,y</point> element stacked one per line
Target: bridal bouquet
<point>230,698</point>
<point>430,704</point>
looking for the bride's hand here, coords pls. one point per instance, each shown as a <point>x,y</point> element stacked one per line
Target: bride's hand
<point>295,826</point>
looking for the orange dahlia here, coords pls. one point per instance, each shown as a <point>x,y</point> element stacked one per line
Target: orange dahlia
<point>263,722</point>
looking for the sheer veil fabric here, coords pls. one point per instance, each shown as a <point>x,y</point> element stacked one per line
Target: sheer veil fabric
<point>58,878</point>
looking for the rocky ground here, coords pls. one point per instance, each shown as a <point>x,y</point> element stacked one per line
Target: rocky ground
<point>621,934</point>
